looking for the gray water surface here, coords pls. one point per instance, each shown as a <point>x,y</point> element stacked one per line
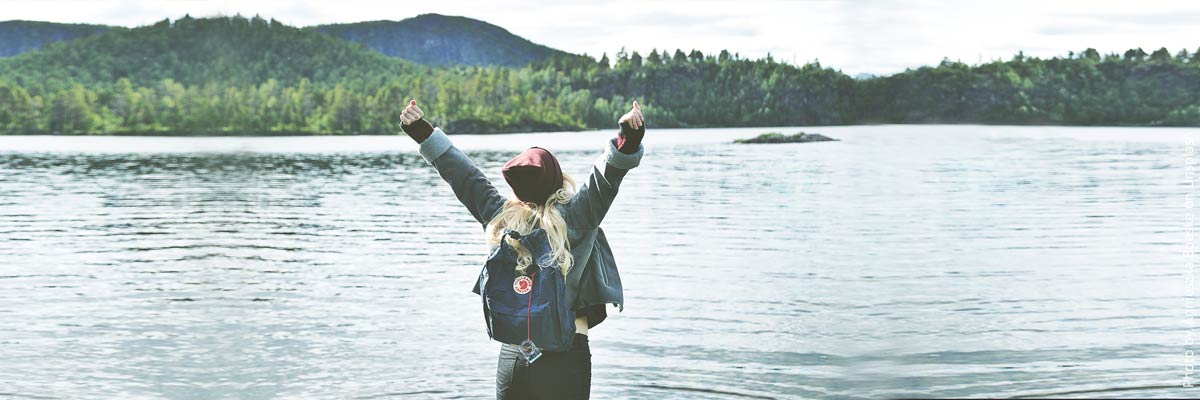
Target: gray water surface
<point>903,261</point>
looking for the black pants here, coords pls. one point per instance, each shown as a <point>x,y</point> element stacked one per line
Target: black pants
<point>564,375</point>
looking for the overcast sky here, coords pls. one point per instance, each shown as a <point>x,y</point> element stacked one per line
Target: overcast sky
<point>863,36</point>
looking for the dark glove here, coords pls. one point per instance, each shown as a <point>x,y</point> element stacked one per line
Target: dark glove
<point>629,139</point>
<point>419,130</point>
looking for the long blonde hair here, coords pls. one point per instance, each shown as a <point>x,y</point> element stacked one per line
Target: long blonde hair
<point>524,217</point>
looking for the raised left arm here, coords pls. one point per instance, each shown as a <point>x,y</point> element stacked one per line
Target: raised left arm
<point>472,188</point>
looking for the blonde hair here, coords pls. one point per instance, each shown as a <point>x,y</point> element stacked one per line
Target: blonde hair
<point>523,217</point>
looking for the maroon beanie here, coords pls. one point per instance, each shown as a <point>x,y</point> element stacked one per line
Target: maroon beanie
<point>534,175</point>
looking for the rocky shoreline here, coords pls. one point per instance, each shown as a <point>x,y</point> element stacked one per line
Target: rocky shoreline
<point>776,137</point>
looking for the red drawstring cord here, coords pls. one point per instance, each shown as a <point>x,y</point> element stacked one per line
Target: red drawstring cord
<point>529,307</point>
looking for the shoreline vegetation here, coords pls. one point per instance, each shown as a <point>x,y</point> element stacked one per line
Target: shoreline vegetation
<point>237,76</point>
<point>400,132</point>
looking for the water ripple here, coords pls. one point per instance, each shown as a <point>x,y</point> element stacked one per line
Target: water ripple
<point>903,261</point>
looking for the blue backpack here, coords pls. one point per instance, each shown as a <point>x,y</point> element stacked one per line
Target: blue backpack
<point>531,310</point>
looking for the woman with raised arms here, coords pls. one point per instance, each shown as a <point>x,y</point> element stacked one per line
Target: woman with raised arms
<point>545,198</point>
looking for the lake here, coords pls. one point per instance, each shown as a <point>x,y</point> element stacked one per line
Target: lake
<point>902,261</point>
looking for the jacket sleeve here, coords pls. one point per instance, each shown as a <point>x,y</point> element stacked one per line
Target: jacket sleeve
<point>471,187</point>
<point>588,207</point>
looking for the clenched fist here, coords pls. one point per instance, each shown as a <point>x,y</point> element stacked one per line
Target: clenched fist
<point>634,117</point>
<point>412,124</point>
<point>633,128</point>
<point>412,113</point>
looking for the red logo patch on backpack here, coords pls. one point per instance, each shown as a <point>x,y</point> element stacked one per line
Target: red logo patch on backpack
<point>522,285</point>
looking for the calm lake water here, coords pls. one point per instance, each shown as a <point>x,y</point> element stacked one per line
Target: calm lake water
<point>902,261</point>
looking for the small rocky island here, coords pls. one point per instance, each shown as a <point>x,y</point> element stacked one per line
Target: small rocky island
<point>776,137</point>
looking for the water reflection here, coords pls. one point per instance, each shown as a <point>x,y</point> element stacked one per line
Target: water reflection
<point>902,261</point>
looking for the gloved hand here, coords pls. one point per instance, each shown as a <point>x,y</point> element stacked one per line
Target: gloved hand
<point>413,124</point>
<point>633,128</point>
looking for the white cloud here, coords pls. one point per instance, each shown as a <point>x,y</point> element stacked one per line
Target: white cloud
<point>871,36</point>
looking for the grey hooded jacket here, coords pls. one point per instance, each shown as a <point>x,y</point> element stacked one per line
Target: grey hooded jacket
<point>593,281</point>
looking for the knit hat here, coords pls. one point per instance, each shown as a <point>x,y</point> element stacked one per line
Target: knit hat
<point>534,175</point>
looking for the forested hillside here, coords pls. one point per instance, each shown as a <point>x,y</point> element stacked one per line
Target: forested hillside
<point>1086,88</point>
<point>191,51</point>
<point>17,36</point>
<point>443,40</point>
<point>235,75</point>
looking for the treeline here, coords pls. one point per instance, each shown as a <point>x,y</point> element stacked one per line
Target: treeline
<point>172,108</point>
<point>233,75</point>
<point>1087,88</point>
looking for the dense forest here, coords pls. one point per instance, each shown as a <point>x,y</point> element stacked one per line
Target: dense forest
<point>235,75</point>
<point>1086,88</point>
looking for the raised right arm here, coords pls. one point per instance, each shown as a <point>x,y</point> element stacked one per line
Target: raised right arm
<point>472,188</point>
<point>595,196</point>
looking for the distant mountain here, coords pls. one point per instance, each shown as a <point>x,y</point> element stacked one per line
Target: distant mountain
<point>18,36</point>
<point>431,39</point>
<point>444,40</point>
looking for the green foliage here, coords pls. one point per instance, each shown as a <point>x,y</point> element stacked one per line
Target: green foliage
<point>230,50</point>
<point>235,75</point>
<point>1087,90</point>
